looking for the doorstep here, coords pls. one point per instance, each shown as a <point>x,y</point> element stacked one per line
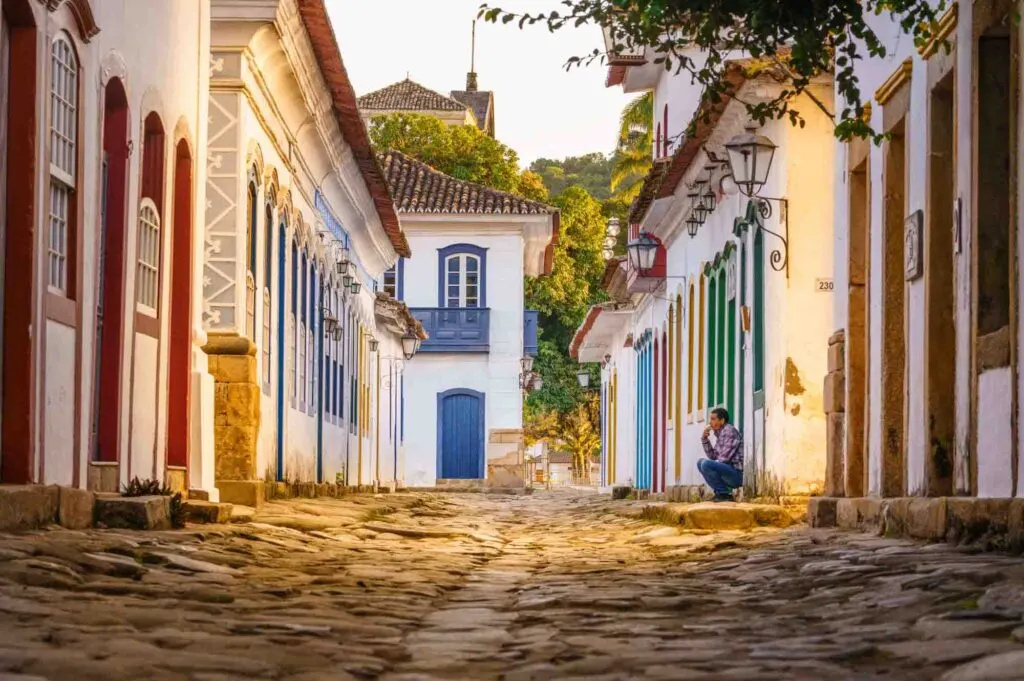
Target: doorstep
<point>996,524</point>
<point>727,515</point>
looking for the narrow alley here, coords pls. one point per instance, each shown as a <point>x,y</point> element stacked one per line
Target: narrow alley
<point>553,585</point>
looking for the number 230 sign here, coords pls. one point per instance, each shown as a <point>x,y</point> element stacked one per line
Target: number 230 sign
<point>824,285</point>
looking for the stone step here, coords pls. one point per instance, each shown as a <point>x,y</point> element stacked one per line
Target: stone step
<point>198,511</point>
<point>718,516</point>
<point>134,513</point>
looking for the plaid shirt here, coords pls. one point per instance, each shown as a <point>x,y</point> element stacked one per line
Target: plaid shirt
<point>728,447</point>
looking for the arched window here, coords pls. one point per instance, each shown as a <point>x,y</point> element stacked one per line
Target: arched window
<point>147,272</point>
<point>311,340</point>
<point>146,276</point>
<point>251,214</point>
<point>303,302</point>
<point>293,321</point>
<point>462,276</point>
<point>63,167</point>
<point>268,273</point>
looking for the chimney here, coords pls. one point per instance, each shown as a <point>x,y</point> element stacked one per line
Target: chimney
<point>471,81</point>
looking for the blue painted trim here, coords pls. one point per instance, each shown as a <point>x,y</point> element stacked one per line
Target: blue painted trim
<point>402,407</point>
<point>531,330</point>
<point>482,398</point>
<point>281,346</point>
<point>400,278</point>
<point>319,397</point>
<point>450,329</point>
<point>458,249</point>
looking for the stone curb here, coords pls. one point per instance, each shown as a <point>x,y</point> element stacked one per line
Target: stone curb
<point>996,524</point>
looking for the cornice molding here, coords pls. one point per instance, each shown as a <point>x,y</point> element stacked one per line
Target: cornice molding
<point>892,84</point>
<point>81,12</point>
<point>946,27</point>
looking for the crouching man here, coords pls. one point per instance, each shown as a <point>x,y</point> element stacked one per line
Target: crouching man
<point>723,469</point>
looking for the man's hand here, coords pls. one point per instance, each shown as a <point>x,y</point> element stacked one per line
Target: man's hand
<point>707,432</point>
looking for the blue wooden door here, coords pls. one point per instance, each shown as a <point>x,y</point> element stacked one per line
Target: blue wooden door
<point>460,434</point>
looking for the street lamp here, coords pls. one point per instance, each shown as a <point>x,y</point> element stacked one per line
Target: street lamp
<point>750,159</point>
<point>374,344</point>
<point>642,251</point>
<point>526,363</point>
<point>692,226</point>
<point>409,345</point>
<point>538,382</point>
<point>330,322</point>
<point>583,378</point>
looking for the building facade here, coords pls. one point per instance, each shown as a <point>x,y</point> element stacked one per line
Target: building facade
<point>473,246</point>
<point>730,315</point>
<point>193,239</point>
<point>927,316</point>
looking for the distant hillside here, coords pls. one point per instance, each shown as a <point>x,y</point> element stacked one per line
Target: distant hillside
<point>593,172</point>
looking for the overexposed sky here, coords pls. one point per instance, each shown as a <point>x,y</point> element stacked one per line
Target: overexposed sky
<point>540,109</point>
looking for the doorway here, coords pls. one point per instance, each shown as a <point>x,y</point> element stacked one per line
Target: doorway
<point>460,434</point>
<point>17,225</point>
<point>111,291</point>
<point>180,348</point>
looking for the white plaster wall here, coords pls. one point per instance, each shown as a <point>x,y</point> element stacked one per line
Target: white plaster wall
<point>164,66</point>
<point>60,408</point>
<point>682,96</point>
<point>995,449</point>
<point>496,373</point>
<point>144,417</point>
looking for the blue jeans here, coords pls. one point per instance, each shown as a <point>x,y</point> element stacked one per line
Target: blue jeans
<point>721,477</point>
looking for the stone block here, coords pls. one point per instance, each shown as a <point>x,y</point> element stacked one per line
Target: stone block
<point>75,508</point>
<point>620,491</point>
<point>207,512</point>
<point>134,513</point>
<point>972,520</point>
<point>837,337</point>
<point>23,507</point>
<point>234,369</point>
<point>103,477</point>
<point>835,446</point>
<point>821,511</point>
<point>176,479</point>
<point>914,517</point>
<point>199,494</point>
<point>242,492</point>
<point>859,513</point>
<point>835,392</point>
<point>235,452</point>
<point>837,357</point>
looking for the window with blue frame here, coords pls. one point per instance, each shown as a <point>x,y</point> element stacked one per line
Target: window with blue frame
<point>294,327</point>
<point>391,282</point>
<point>462,276</point>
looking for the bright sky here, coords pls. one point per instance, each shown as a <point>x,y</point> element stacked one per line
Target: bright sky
<point>540,109</point>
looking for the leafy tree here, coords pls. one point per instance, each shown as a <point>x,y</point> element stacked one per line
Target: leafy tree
<point>578,263</point>
<point>462,151</point>
<point>801,39</point>
<point>578,432</point>
<point>632,159</point>
<point>591,171</point>
<point>531,186</point>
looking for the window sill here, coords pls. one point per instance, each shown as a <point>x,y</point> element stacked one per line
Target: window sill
<point>146,323</point>
<point>61,310</point>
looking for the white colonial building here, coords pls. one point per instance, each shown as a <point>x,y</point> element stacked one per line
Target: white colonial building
<point>927,276</point>
<point>194,226</point>
<point>473,246</point>
<point>733,310</point>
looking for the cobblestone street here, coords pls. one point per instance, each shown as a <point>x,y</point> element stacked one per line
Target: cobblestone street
<point>486,587</point>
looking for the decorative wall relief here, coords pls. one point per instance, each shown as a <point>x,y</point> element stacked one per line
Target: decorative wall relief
<point>221,259</point>
<point>912,245</point>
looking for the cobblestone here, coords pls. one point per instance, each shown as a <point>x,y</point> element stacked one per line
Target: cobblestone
<point>415,587</point>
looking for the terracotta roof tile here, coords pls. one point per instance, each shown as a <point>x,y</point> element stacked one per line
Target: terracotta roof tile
<point>343,100</point>
<point>418,188</point>
<point>408,95</point>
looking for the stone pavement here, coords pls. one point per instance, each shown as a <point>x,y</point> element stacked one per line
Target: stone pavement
<point>416,587</point>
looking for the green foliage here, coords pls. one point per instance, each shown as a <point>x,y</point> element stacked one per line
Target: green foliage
<point>576,430</point>
<point>800,39</point>
<point>592,172</point>
<point>462,151</point>
<point>632,159</point>
<point>578,264</point>
<point>150,488</point>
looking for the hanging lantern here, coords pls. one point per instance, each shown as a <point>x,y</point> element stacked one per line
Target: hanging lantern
<point>692,226</point>
<point>526,363</point>
<point>642,251</point>
<point>374,344</point>
<point>538,382</point>
<point>355,287</point>
<point>750,159</point>
<point>409,343</point>
<point>583,378</point>
<point>347,280</point>
<point>337,333</point>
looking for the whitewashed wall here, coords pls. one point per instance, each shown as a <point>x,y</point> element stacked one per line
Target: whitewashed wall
<point>496,373</point>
